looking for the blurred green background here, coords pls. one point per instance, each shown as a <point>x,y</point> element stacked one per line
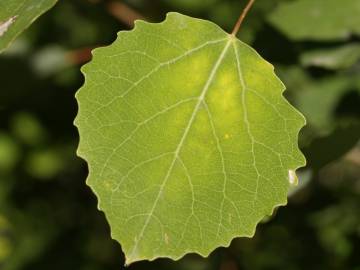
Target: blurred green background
<point>49,217</point>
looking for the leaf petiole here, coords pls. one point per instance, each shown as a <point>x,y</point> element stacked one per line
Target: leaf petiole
<point>242,17</point>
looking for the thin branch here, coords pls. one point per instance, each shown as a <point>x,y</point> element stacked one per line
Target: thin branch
<point>353,155</point>
<point>242,17</point>
<point>79,56</point>
<point>124,13</point>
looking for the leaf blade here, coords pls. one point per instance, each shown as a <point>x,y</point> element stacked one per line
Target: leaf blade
<point>314,19</point>
<point>176,164</point>
<point>16,16</point>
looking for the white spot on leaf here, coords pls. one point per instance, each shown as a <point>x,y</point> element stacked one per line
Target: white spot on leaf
<point>293,178</point>
<point>4,26</point>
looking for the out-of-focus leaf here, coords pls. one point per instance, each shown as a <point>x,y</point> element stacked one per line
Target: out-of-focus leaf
<point>334,58</point>
<point>5,242</point>
<point>318,100</point>
<point>317,19</point>
<point>344,173</point>
<point>188,137</point>
<point>294,77</point>
<point>17,15</point>
<point>78,30</point>
<point>31,231</point>
<point>9,153</point>
<point>44,164</point>
<point>336,225</point>
<point>28,129</point>
<point>335,145</point>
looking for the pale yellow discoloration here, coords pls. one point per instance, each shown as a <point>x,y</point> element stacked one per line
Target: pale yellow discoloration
<point>107,185</point>
<point>227,78</point>
<point>224,96</point>
<point>198,63</point>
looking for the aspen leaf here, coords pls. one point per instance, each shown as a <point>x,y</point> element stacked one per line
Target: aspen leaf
<point>188,138</point>
<point>17,15</point>
<point>339,57</point>
<point>318,20</point>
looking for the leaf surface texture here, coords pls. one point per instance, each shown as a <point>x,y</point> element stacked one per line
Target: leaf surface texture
<point>188,138</point>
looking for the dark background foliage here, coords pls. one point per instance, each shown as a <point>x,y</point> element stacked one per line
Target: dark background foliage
<point>49,217</point>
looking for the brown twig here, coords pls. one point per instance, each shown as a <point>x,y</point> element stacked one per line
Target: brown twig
<point>242,17</point>
<point>79,56</point>
<point>120,11</point>
<point>124,13</point>
<point>353,155</point>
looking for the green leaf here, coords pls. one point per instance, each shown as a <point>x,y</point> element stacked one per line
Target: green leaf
<point>188,138</point>
<point>318,19</point>
<point>334,58</point>
<point>17,15</point>
<point>9,153</point>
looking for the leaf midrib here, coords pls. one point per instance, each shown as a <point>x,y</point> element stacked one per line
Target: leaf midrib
<point>182,140</point>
